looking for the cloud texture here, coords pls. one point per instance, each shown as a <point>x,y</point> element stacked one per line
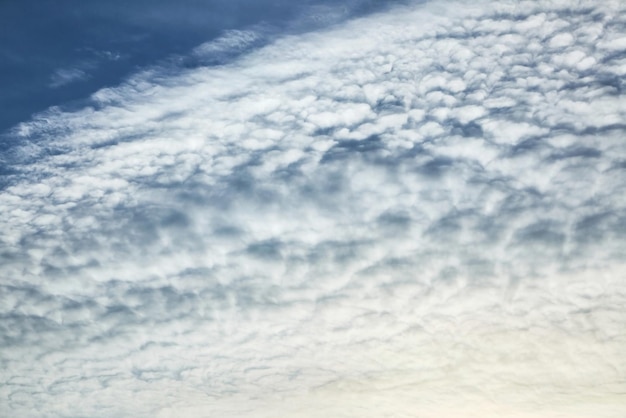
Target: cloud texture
<point>417,213</point>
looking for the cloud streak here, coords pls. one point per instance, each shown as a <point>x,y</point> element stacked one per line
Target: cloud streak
<point>418,212</point>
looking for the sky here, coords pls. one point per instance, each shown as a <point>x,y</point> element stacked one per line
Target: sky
<point>348,208</point>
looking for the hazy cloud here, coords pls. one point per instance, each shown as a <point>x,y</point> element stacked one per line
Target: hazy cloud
<point>66,75</point>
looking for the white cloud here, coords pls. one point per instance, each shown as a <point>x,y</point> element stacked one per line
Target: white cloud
<point>420,212</point>
<point>65,76</point>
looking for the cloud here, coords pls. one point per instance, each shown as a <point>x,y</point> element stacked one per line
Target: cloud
<point>65,76</point>
<point>417,212</point>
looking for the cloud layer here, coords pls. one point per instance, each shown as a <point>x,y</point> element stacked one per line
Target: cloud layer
<point>415,213</point>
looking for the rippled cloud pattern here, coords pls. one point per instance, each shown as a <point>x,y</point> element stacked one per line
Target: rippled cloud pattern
<point>417,213</point>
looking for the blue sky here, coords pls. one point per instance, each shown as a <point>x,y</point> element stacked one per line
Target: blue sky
<point>58,52</point>
<point>351,209</point>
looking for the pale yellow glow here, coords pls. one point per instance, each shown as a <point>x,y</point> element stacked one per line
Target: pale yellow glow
<point>520,363</point>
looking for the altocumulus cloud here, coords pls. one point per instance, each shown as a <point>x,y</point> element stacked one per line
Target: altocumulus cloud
<point>420,213</point>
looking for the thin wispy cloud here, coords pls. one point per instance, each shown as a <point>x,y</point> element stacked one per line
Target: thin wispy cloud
<point>65,76</point>
<point>420,212</point>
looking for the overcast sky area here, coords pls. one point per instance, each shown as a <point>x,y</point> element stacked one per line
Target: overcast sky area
<point>354,208</point>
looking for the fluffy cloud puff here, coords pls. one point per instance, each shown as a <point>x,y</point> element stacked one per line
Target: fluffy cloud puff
<point>420,212</point>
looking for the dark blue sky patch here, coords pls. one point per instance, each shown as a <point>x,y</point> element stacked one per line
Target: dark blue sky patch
<point>59,52</point>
